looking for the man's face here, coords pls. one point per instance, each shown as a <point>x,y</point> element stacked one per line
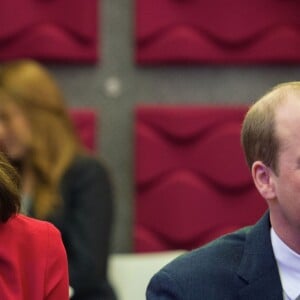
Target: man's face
<point>285,208</point>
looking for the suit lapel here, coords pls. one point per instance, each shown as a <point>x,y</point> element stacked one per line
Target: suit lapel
<point>264,288</point>
<point>258,268</point>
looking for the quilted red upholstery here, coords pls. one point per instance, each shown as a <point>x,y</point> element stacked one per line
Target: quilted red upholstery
<point>217,31</point>
<point>49,30</point>
<point>85,122</point>
<point>191,179</point>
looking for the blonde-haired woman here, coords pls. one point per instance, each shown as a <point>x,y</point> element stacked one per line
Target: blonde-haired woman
<point>33,262</point>
<point>60,182</point>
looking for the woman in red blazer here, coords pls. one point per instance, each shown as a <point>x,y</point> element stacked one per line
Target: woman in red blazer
<point>33,263</point>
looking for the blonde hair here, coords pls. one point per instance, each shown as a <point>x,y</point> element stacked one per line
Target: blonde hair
<point>258,134</point>
<point>54,143</point>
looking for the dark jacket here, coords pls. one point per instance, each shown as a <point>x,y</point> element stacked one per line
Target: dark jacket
<point>240,266</point>
<point>85,221</point>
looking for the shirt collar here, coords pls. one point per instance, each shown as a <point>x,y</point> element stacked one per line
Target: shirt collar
<point>288,262</point>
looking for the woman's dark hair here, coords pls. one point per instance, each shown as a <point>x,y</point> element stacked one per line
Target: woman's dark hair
<point>9,190</point>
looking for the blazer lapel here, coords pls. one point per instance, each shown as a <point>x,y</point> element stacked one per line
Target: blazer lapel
<point>258,268</point>
<point>264,288</point>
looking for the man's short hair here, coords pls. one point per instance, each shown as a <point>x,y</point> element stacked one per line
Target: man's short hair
<point>258,134</point>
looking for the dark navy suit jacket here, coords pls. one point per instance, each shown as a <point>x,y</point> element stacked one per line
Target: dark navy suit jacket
<point>240,265</point>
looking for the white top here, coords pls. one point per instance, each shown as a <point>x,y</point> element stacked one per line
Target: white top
<point>288,262</point>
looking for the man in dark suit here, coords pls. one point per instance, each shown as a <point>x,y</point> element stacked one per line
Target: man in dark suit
<point>261,262</point>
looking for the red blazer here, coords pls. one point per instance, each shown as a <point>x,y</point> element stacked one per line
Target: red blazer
<point>33,262</point>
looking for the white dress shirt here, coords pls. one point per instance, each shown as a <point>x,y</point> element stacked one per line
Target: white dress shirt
<point>288,262</point>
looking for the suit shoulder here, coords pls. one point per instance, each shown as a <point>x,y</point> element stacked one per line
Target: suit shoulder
<point>85,164</point>
<point>219,256</point>
<point>209,272</point>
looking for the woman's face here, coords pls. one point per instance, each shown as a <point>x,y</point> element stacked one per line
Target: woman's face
<point>15,132</point>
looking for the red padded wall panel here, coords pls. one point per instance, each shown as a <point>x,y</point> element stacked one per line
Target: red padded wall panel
<point>85,122</point>
<point>191,179</point>
<point>217,31</point>
<point>49,30</point>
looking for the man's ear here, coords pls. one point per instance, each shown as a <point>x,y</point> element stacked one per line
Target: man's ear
<point>263,180</point>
